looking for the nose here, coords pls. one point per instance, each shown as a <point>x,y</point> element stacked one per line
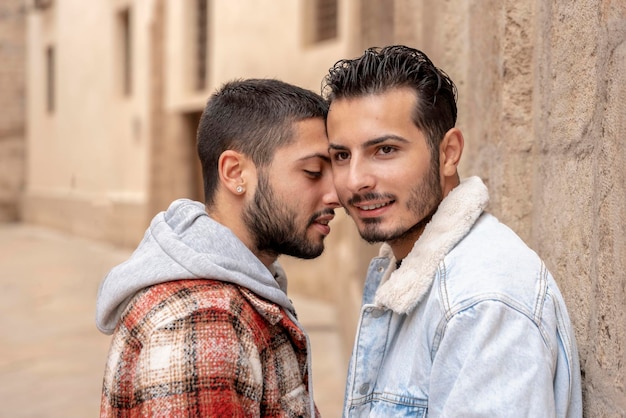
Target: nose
<point>359,177</point>
<point>329,192</point>
<point>330,198</point>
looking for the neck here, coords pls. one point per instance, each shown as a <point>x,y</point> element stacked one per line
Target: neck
<point>402,245</point>
<point>266,257</point>
<point>231,219</point>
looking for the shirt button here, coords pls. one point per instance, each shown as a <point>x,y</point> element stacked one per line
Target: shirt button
<point>365,387</point>
<point>381,269</point>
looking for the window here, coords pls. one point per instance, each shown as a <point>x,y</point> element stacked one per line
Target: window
<point>126,51</point>
<point>201,29</point>
<point>42,4</point>
<point>50,79</point>
<point>326,20</point>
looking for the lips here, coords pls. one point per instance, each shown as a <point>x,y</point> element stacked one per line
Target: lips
<point>325,219</point>
<point>372,206</point>
<point>321,222</point>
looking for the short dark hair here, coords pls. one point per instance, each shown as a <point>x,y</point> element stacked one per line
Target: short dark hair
<point>379,70</point>
<point>254,117</point>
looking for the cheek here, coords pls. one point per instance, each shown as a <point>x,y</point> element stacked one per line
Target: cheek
<point>409,171</point>
<point>343,193</point>
<point>340,178</point>
<point>302,196</point>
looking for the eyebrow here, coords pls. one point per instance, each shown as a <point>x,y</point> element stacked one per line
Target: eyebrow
<point>315,155</point>
<point>371,142</point>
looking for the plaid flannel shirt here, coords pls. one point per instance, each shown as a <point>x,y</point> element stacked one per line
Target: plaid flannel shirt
<point>205,348</point>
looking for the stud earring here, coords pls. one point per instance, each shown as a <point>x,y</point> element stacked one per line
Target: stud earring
<point>239,189</point>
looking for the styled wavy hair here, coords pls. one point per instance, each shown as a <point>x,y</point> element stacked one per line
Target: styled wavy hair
<point>379,70</point>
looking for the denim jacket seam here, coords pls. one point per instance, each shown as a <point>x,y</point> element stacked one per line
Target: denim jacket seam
<point>391,398</point>
<point>565,336</point>
<point>350,400</point>
<point>460,307</point>
<point>445,307</point>
<point>443,288</point>
<point>541,293</point>
<point>449,311</point>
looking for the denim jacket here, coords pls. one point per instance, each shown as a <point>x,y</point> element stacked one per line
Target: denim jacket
<point>470,325</point>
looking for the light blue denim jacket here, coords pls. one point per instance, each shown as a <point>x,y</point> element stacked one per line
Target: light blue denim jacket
<point>471,325</point>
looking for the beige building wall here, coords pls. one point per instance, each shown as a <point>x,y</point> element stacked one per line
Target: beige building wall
<point>262,38</point>
<point>87,151</point>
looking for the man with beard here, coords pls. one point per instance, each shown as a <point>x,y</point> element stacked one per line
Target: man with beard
<point>201,322</point>
<point>459,318</point>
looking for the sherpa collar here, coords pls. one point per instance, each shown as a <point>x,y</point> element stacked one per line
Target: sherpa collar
<point>455,216</point>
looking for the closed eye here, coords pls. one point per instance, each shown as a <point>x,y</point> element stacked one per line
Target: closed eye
<point>313,174</point>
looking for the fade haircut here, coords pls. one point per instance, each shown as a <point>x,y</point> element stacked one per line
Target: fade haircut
<point>380,70</point>
<point>254,117</point>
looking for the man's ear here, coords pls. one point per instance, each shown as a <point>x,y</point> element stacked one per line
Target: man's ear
<point>232,167</point>
<point>450,152</point>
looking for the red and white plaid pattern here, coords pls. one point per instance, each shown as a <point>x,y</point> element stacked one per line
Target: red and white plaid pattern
<point>193,348</point>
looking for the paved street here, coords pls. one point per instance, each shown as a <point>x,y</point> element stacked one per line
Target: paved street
<point>51,354</point>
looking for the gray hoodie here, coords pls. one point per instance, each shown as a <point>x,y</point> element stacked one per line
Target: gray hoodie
<point>185,243</point>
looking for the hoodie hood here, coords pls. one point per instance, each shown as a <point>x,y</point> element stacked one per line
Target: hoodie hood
<point>185,243</point>
<point>402,289</point>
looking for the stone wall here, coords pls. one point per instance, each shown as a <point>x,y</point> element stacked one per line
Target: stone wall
<point>579,219</point>
<point>12,106</point>
<point>542,89</point>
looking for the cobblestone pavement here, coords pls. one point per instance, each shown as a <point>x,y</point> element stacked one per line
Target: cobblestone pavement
<point>51,354</point>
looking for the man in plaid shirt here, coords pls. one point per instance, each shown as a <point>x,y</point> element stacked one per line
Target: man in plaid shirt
<point>201,322</point>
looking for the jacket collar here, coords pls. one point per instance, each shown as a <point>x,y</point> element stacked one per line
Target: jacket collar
<point>402,289</point>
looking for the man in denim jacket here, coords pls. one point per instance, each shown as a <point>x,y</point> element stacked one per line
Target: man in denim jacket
<point>459,318</point>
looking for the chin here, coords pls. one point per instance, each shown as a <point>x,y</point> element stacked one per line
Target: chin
<point>372,236</point>
<point>311,254</point>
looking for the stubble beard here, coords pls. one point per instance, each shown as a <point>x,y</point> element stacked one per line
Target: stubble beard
<point>423,202</point>
<point>274,227</point>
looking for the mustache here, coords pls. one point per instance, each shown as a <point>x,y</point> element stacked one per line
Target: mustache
<point>322,212</point>
<point>358,198</point>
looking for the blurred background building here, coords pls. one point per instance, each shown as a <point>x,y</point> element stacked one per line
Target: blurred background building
<point>99,103</point>
<point>12,107</point>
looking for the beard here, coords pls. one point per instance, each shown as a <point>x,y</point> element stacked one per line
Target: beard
<point>274,225</point>
<point>423,202</point>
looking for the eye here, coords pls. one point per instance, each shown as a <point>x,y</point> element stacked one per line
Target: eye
<point>339,156</point>
<point>313,174</point>
<point>386,150</point>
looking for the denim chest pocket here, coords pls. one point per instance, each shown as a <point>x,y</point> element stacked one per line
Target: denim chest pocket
<point>385,405</point>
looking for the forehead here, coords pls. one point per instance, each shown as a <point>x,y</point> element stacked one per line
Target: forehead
<point>309,141</point>
<point>385,113</point>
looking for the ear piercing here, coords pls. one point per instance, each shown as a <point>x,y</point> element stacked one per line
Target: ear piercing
<point>239,189</point>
